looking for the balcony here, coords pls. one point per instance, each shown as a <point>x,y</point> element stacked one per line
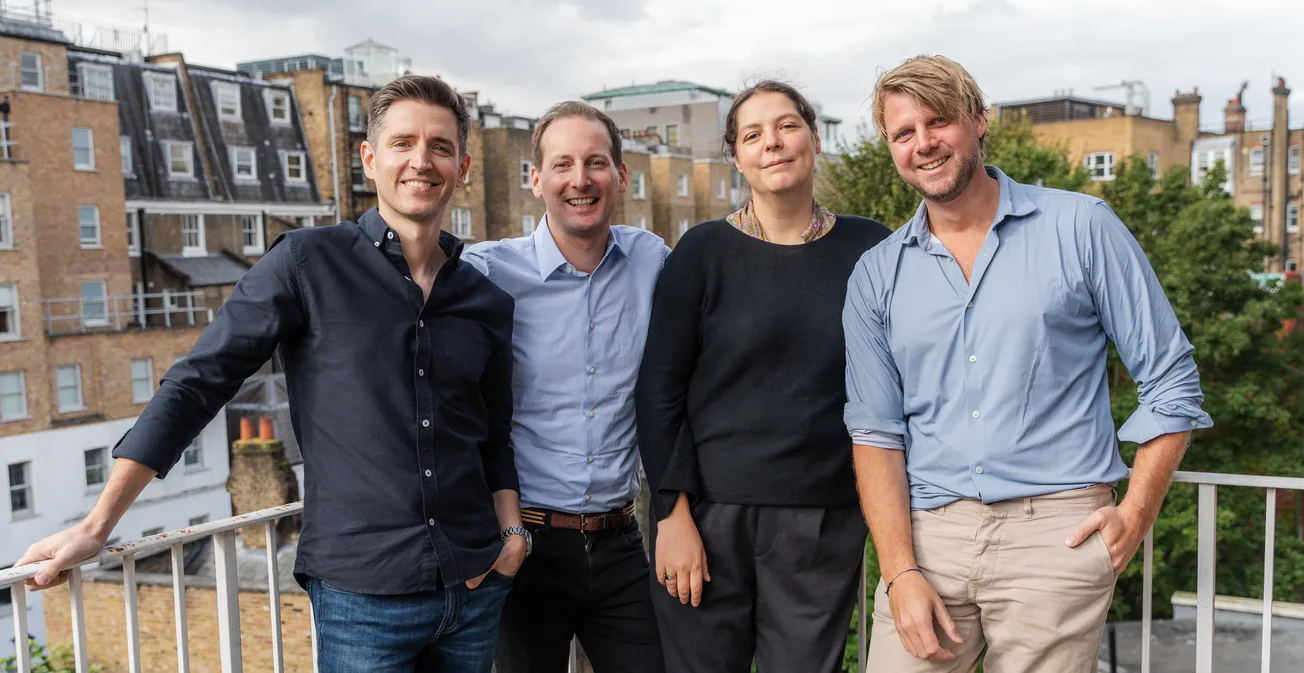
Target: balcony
<point>97,314</point>
<point>229,582</point>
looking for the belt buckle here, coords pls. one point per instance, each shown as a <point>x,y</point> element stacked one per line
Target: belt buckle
<point>583,522</point>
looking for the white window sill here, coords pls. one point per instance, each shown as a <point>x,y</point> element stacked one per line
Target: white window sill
<point>9,338</point>
<point>94,324</point>
<point>254,252</point>
<point>194,252</point>
<point>140,401</point>
<point>162,109</point>
<point>280,122</point>
<point>93,246</point>
<point>129,176</point>
<point>6,248</point>
<point>71,410</point>
<point>296,183</point>
<point>357,129</point>
<point>25,515</point>
<point>231,120</point>
<point>133,253</point>
<point>16,419</point>
<point>195,469</point>
<point>85,169</point>
<point>182,177</point>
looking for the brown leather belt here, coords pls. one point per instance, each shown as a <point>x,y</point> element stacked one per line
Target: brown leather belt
<point>589,523</point>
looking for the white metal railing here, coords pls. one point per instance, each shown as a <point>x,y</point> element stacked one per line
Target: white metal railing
<point>1207,483</point>
<point>79,315</point>
<point>228,600</point>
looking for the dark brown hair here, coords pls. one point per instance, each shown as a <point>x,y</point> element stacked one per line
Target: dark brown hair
<point>574,108</point>
<point>804,108</point>
<point>422,89</point>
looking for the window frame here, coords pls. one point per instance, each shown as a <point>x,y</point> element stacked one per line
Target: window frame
<point>303,167</point>
<point>148,380</point>
<point>528,225</point>
<point>133,233</point>
<point>90,149</point>
<point>235,153</point>
<point>271,97</point>
<point>80,404</point>
<point>201,244</point>
<point>103,299</point>
<point>154,82</point>
<point>640,187</point>
<point>1251,168</point>
<point>23,412</point>
<point>103,467</point>
<point>226,89</point>
<point>96,243</point>
<point>15,332</point>
<point>461,229</point>
<point>39,70</point>
<point>106,70</point>
<point>681,188</point>
<point>7,241</point>
<point>25,487</point>
<point>170,156</point>
<point>1292,209</point>
<point>527,182</point>
<point>259,246</point>
<point>1105,168</point>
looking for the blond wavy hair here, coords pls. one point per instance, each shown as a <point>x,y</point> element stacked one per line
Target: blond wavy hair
<point>935,81</point>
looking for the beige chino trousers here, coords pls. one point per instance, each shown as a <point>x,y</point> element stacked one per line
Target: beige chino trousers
<point>1011,585</point>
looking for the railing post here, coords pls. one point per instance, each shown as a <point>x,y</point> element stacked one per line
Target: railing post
<point>228,602</point>
<point>78,620</point>
<point>1205,576</point>
<point>190,307</point>
<point>1269,552</point>
<point>117,314</point>
<point>167,308</point>
<point>274,597</point>
<point>1147,598</point>
<point>179,606</point>
<point>133,620</point>
<point>24,655</point>
<point>140,305</point>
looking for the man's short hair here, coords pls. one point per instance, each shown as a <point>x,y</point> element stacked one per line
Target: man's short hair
<point>935,81</point>
<point>422,89</point>
<point>574,108</point>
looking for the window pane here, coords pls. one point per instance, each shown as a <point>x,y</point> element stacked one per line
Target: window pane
<point>88,221</point>
<point>83,149</point>
<point>94,308</point>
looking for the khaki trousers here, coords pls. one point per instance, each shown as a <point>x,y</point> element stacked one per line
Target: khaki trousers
<point>1011,585</point>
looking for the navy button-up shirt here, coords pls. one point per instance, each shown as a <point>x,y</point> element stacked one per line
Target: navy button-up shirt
<point>996,387</point>
<point>402,406</point>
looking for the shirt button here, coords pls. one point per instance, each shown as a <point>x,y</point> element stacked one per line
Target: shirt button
<point>421,323</point>
<point>590,459</point>
<point>1193,423</point>
<point>969,305</point>
<point>390,235</point>
<point>973,358</point>
<point>590,325</point>
<point>377,244</point>
<point>978,469</point>
<point>431,522</point>
<point>570,269</point>
<point>426,423</point>
<point>421,372</point>
<point>588,498</point>
<point>975,414</point>
<point>590,414</point>
<point>427,473</point>
<point>593,370</point>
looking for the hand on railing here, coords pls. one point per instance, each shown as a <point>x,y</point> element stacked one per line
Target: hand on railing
<point>64,550</point>
<point>915,606</point>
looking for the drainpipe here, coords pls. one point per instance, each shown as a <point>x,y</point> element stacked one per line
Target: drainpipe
<point>335,164</point>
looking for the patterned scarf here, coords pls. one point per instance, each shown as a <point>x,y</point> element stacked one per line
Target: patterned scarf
<point>744,220</point>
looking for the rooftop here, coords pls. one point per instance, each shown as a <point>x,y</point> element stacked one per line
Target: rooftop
<point>30,30</point>
<point>210,269</point>
<point>664,86</point>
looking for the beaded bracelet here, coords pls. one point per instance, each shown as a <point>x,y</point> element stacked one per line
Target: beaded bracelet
<point>888,588</point>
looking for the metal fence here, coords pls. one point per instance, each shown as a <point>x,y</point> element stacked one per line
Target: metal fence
<point>82,315</point>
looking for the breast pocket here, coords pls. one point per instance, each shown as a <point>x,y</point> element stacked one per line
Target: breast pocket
<point>466,353</point>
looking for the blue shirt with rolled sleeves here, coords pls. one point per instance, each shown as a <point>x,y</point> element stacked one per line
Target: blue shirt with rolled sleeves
<point>996,388</point>
<point>578,341</point>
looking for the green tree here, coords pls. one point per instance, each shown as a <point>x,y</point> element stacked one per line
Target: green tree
<point>59,659</point>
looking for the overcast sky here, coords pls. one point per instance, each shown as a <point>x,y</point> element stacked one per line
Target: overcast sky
<point>525,54</point>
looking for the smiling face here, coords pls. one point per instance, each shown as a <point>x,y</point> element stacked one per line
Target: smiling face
<point>938,158</point>
<point>416,161</point>
<point>577,178</point>
<point>775,149</point>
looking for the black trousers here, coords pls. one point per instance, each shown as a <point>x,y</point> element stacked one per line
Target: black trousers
<point>783,585</point>
<point>590,585</point>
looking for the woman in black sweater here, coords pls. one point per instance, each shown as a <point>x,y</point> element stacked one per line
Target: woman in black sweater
<point>759,539</point>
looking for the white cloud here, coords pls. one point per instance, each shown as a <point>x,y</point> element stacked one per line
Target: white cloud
<point>526,54</point>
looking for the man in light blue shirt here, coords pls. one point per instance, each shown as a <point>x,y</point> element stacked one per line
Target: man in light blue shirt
<point>978,400</point>
<point>583,291</point>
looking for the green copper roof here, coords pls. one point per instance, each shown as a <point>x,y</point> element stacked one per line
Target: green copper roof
<point>660,87</point>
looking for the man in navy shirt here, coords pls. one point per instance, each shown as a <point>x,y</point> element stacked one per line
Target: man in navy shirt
<point>398,361</point>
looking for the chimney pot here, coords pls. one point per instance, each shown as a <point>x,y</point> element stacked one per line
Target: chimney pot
<point>266,430</point>
<point>246,428</point>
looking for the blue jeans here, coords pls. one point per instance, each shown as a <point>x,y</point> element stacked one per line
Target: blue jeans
<point>453,629</point>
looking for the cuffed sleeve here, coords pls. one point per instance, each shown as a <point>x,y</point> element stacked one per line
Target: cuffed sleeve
<point>665,438</point>
<point>881,440</point>
<point>875,401</point>
<point>264,309</point>
<point>1138,318</point>
<point>496,387</point>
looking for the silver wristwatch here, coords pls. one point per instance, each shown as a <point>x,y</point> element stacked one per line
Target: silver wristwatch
<point>519,530</point>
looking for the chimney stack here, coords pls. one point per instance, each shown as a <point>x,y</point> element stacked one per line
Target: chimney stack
<point>261,478</point>
<point>1275,215</point>
<point>1186,115</point>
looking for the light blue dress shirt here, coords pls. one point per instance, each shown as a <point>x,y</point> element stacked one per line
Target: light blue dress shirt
<point>996,388</point>
<point>578,340</point>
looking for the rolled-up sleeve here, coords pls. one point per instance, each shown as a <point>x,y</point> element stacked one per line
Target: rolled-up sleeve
<point>875,413</point>
<point>1138,318</point>
<point>264,309</point>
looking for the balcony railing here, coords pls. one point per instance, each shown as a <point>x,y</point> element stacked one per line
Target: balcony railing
<point>83,315</point>
<point>224,533</point>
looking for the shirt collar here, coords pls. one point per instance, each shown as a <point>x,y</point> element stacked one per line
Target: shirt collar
<point>1013,202</point>
<point>375,228</point>
<point>549,255</point>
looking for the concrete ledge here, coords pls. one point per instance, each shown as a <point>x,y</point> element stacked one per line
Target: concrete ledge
<point>1251,606</point>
